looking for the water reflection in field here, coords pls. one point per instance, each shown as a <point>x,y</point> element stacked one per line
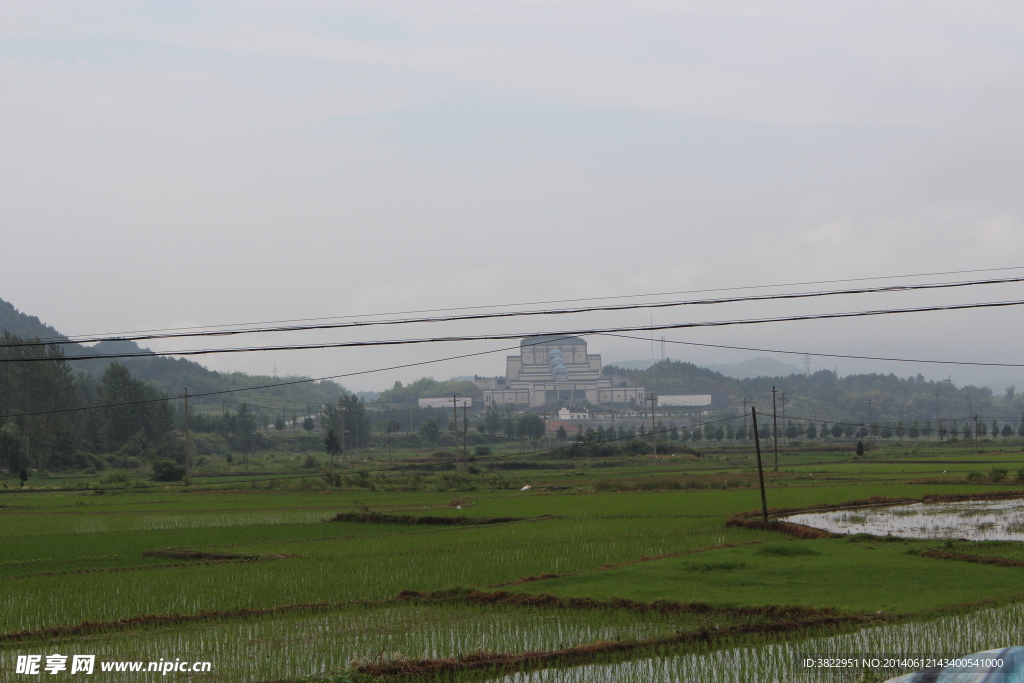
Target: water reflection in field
<point>979,520</point>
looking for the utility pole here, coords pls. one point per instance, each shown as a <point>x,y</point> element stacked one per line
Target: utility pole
<point>971,417</point>
<point>870,420</point>
<point>455,424</point>
<point>654,434</point>
<point>343,433</point>
<point>938,420</point>
<point>775,430</point>
<point>465,431</point>
<point>760,470</point>
<point>745,420</point>
<point>188,451</point>
<point>785,439</point>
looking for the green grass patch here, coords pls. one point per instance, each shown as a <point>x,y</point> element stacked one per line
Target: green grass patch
<point>859,577</point>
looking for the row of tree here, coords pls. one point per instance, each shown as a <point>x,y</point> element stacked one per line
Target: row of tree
<point>52,417</point>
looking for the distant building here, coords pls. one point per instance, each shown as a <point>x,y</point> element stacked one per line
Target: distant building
<point>702,401</point>
<point>445,402</point>
<point>570,414</point>
<point>552,368</point>
<point>688,400</point>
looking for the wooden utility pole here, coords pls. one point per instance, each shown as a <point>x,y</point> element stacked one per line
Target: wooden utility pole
<point>654,430</point>
<point>760,470</point>
<point>775,430</point>
<point>188,451</point>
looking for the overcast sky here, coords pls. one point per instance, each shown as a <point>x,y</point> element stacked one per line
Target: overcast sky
<point>173,163</point>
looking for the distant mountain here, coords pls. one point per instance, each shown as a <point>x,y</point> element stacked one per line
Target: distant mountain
<point>171,375</point>
<point>756,367</point>
<point>631,364</point>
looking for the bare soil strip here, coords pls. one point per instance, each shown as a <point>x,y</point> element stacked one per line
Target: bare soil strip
<point>936,554</point>
<point>380,518</point>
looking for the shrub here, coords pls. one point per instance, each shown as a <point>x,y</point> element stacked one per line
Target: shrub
<point>482,450</point>
<point>114,478</point>
<point>974,476</point>
<point>167,470</point>
<point>310,462</point>
<point>997,474</point>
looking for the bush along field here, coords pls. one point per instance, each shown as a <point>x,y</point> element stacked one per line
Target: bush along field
<point>512,564</point>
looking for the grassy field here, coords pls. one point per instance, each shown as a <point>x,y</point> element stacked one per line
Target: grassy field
<point>609,569</point>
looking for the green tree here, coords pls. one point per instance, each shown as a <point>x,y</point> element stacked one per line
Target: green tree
<point>133,406</point>
<point>308,424</point>
<point>331,444</point>
<point>812,431</point>
<point>561,434</point>
<point>23,475</point>
<point>279,424</point>
<point>492,420</point>
<point>430,430</point>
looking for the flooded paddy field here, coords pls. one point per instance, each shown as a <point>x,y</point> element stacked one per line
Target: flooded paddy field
<point>979,520</point>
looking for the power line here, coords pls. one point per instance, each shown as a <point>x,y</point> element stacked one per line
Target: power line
<point>516,314</point>
<point>520,335</point>
<point>117,335</point>
<point>824,355</point>
<point>280,384</point>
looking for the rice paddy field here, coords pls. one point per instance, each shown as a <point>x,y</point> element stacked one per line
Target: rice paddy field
<point>641,569</point>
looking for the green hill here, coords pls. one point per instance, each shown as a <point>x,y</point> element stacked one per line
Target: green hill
<point>171,375</point>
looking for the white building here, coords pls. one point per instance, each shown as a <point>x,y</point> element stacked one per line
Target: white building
<point>552,368</point>
<point>687,400</point>
<point>567,414</point>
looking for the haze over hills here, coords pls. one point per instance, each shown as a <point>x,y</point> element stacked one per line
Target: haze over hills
<point>171,375</point>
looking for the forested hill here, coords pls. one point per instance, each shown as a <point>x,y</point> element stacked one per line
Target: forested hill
<point>171,375</point>
<point>835,398</point>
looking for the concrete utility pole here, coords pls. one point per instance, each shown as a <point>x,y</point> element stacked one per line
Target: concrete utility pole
<point>455,424</point>
<point>745,401</point>
<point>465,431</point>
<point>870,420</point>
<point>775,430</point>
<point>760,470</point>
<point>970,418</point>
<point>938,419</point>
<point>654,431</point>
<point>785,439</point>
<point>188,451</point>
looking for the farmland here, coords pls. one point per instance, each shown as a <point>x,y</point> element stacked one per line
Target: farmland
<point>406,568</point>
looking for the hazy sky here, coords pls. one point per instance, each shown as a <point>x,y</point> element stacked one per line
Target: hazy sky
<point>174,163</point>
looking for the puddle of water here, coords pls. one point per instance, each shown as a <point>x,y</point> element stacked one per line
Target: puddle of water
<point>980,520</point>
